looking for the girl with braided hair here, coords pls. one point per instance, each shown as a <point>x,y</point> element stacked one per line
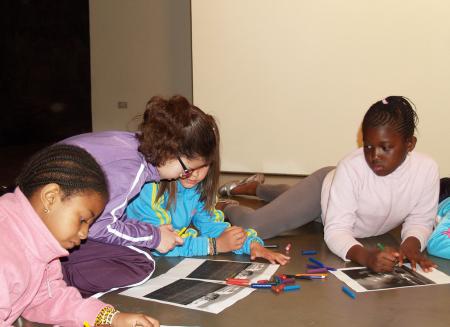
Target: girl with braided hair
<point>374,189</point>
<point>60,193</point>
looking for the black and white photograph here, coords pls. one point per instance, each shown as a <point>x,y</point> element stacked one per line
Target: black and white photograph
<point>399,277</point>
<point>199,284</point>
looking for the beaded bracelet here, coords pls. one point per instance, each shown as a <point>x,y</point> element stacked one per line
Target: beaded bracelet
<point>214,246</point>
<point>106,316</point>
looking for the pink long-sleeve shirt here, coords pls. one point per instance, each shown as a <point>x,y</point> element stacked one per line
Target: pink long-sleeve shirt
<point>356,203</point>
<point>31,281</point>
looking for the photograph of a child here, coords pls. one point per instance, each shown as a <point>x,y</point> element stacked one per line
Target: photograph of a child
<point>399,277</point>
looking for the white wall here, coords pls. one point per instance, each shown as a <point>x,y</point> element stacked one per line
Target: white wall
<point>139,48</point>
<point>290,80</point>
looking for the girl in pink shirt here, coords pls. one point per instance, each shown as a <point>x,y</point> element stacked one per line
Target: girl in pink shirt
<point>60,193</point>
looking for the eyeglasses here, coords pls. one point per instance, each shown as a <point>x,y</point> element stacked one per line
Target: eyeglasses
<point>186,172</point>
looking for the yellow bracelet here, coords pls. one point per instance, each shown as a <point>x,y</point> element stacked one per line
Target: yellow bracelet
<point>105,316</point>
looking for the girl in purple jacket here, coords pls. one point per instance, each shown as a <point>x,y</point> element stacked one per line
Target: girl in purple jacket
<point>173,136</point>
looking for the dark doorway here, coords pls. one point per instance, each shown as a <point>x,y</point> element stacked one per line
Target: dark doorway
<point>44,78</point>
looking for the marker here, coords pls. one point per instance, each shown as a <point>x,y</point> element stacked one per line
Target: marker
<point>349,292</point>
<point>317,262</point>
<point>182,231</point>
<point>380,246</point>
<point>288,281</point>
<point>288,247</point>
<point>278,288</point>
<point>271,246</point>
<point>310,277</point>
<point>262,285</point>
<point>309,252</point>
<point>290,288</point>
<point>86,324</point>
<point>237,281</point>
<point>313,266</point>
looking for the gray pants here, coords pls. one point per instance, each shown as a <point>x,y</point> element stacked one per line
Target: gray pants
<point>288,207</point>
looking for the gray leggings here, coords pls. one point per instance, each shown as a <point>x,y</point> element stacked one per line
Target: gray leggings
<point>289,207</point>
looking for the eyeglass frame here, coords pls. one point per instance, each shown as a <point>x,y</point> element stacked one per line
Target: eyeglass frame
<point>186,171</point>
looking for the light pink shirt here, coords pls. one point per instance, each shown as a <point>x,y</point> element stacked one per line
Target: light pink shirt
<point>31,281</point>
<point>356,203</point>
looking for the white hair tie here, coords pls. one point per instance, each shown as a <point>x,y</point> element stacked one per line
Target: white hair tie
<point>384,101</point>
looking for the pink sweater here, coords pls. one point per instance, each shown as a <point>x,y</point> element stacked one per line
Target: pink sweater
<point>31,281</point>
<point>356,203</point>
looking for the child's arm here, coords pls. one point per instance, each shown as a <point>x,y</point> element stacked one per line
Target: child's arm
<point>57,304</point>
<point>147,210</point>
<point>418,225</point>
<point>212,225</point>
<point>439,242</point>
<point>340,215</point>
<point>419,222</point>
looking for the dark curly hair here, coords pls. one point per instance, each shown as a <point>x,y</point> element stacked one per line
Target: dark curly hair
<point>174,127</point>
<point>69,166</point>
<point>395,111</point>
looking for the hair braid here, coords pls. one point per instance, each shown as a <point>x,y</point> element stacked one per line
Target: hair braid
<point>71,167</point>
<point>395,111</point>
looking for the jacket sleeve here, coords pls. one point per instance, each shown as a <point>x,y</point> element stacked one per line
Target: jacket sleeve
<point>213,225</point>
<point>58,304</point>
<point>419,222</point>
<point>439,242</point>
<point>145,208</point>
<point>113,227</point>
<point>5,300</point>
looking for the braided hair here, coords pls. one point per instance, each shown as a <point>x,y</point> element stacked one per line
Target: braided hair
<point>395,111</point>
<point>69,166</point>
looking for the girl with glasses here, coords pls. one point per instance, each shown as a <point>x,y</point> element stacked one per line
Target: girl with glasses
<point>171,130</point>
<point>189,205</point>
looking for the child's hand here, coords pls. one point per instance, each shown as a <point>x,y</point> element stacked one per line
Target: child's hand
<point>410,249</point>
<point>169,239</point>
<point>123,319</point>
<point>382,261</point>
<point>231,239</point>
<point>259,251</point>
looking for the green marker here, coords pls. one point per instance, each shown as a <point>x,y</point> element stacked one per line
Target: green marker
<point>380,246</point>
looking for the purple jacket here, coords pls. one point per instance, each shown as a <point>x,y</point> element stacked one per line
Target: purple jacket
<point>126,170</point>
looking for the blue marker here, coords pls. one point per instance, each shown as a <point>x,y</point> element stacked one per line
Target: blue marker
<point>317,262</point>
<point>260,285</point>
<point>290,288</point>
<point>348,291</point>
<point>309,252</point>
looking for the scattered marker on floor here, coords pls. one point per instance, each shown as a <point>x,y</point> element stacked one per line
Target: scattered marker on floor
<point>288,247</point>
<point>290,288</point>
<point>349,292</point>
<point>309,252</point>
<point>317,262</point>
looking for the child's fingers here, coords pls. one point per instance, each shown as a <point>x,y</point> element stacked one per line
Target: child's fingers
<point>178,240</point>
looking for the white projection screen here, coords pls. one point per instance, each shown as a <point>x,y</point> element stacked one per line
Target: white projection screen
<point>289,81</point>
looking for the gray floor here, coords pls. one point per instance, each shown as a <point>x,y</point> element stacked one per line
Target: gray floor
<point>318,303</point>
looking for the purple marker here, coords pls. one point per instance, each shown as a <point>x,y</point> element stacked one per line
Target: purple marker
<point>309,252</point>
<point>317,262</point>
